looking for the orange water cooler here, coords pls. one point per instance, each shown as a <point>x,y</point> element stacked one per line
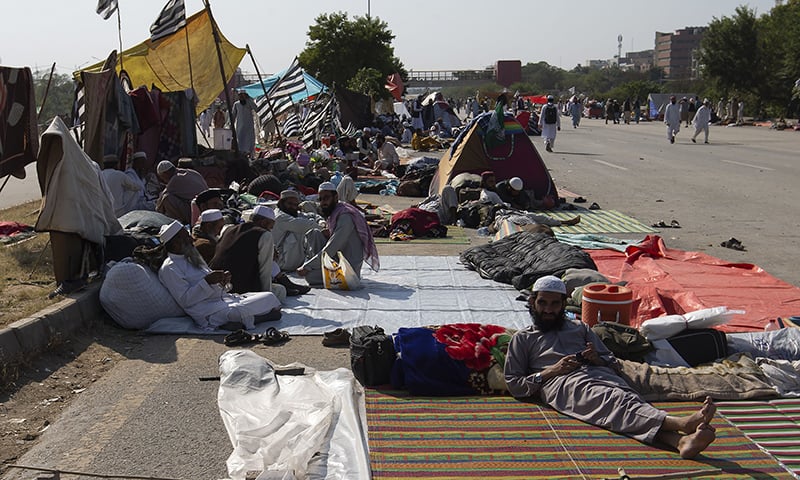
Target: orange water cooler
<point>602,302</point>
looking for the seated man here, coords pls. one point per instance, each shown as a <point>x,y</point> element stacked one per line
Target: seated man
<point>568,367</point>
<point>349,234</point>
<point>182,185</point>
<point>297,234</point>
<point>422,143</point>
<point>513,193</point>
<point>207,200</point>
<point>489,189</point>
<point>248,252</point>
<point>387,155</point>
<point>200,291</point>
<point>206,233</point>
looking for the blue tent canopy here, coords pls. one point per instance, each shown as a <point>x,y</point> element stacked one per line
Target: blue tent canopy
<point>313,87</point>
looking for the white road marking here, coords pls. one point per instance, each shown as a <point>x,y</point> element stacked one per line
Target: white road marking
<point>749,165</point>
<point>610,164</point>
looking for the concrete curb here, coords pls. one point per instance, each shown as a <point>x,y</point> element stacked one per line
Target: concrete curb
<point>24,339</point>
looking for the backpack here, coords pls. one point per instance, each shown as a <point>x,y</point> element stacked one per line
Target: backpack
<point>371,355</point>
<point>550,114</point>
<point>624,341</point>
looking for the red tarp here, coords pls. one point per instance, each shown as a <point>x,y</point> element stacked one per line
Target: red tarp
<point>666,281</point>
<point>537,99</point>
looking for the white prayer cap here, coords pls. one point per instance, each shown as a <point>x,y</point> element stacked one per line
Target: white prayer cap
<point>326,186</point>
<point>264,211</point>
<point>516,183</point>
<point>139,155</point>
<point>550,283</point>
<point>169,231</point>
<point>211,215</point>
<point>164,166</point>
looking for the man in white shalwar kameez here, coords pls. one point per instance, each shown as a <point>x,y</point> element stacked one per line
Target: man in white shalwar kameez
<point>199,290</point>
<point>245,128</point>
<point>672,117</point>
<point>549,129</point>
<point>701,119</point>
<point>568,367</point>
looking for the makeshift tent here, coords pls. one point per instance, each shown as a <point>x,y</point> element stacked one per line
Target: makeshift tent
<point>354,108</point>
<point>165,62</point>
<point>313,87</point>
<point>658,101</point>
<point>516,157</point>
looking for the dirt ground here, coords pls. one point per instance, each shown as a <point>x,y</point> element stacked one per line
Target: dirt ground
<point>42,389</point>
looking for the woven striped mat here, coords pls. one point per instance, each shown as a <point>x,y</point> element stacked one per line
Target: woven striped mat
<point>499,437</point>
<point>773,425</point>
<point>598,221</point>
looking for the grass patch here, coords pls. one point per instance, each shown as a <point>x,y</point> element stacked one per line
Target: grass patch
<point>27,269</point>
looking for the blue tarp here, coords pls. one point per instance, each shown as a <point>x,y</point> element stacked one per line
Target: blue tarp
<point>313,87</point>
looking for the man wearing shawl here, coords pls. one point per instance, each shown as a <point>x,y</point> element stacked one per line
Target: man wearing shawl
<point>349,234</point>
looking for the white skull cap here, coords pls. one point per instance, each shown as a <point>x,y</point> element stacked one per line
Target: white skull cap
<point>550,283</point>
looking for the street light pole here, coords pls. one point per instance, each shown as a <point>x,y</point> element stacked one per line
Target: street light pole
<point>368,8</point>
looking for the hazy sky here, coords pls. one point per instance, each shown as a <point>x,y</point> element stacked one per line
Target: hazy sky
<point>440,35</point>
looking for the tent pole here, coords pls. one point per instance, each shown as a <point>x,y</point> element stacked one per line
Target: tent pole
<point>234,143</point>
<point>189,58</point>
<point>269,102</point>
<point>119,33</point>
<point>46,91</point>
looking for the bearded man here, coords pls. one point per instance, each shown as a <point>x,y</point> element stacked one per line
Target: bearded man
<point>201,292</point>
<point>206,233</point>
<point>567,366</point>
<point>349,234</point>
<point>297,234</point>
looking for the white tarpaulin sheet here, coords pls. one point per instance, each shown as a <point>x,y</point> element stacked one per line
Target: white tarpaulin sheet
<point>407,292</point>
<point>311,426</point>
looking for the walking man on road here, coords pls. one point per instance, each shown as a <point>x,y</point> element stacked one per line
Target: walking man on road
<point>549,123</point>
<point>672,117</point>
<point>702,117</point>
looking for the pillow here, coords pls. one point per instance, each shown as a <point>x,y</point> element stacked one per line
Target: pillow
<point>135,298</point>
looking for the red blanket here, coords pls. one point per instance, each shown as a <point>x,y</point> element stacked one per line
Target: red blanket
<point>667,281</point>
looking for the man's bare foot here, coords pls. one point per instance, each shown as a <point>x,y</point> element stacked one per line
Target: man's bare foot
<point>704,415</point>
<point>572,221</point>
<point>690,446</point>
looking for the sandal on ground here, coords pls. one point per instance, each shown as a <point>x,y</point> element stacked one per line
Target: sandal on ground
<point>568,206</point>
<point>273,336</point>
<point>594,206</point>
<point>660,224</point>
<point>336,338</point>
<point>239,337</point>
<point>732,243</point>
<point>674,224</point>
<point>579,200</point>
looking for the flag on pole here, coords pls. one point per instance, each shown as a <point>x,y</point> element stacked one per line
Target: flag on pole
<point>572,90</point>
<point>172,19</point>
<point>316,121</point>
<point>291,127</point>
<point>280,93</point>
<point>106,8</point>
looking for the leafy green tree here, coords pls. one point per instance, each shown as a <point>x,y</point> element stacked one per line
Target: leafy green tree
<point>339,48</point>
<point>59,97</point>
<point>780,44</point>
<point>369,82</point>
<point>731,53</point>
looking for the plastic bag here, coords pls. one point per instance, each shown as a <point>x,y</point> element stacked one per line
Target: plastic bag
<point>339,275</point>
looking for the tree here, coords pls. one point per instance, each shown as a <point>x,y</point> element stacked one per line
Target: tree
<point>339,48</point>
<point>59,97</point>
<point>731,53</point>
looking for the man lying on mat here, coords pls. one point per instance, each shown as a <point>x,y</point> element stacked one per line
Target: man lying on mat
<point>567,366</point>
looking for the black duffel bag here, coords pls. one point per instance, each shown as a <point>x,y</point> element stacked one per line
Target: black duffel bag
<point>371,355</point>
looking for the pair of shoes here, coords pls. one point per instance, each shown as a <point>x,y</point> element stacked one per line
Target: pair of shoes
<point>548,147</point>
<point>579,200</point>
<point>336,338</point>
<point>239,337</point>
<point>292,289</point>
<point>694,141</point>
<point>594,206</point>
<point>663,224</point>
<point>273,336</point>
<point>733,243</point>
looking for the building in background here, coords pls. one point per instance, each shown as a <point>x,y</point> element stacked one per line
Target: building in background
<point>676,53</point>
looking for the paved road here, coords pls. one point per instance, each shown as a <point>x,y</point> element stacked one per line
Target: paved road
<point>19,191</point>
<point>744,184</point>
<point>151,416</point>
